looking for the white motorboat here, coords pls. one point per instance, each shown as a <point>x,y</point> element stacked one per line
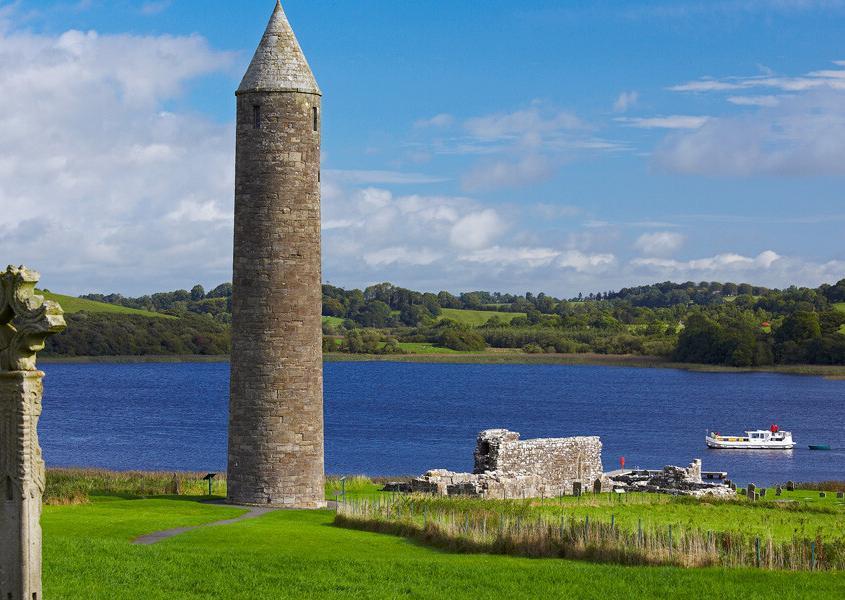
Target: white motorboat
<point>759,439</point>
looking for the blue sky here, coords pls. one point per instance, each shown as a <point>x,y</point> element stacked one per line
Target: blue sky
<point>545,146</point>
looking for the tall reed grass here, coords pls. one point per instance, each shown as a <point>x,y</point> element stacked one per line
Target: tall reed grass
<point>76,486</point>
<point>509,528</point>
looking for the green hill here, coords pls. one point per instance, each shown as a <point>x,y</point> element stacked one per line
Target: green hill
<point>71,305</point>
<point>475,318</point>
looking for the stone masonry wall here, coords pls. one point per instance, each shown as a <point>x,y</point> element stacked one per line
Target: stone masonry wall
<point>276,406</point>
<point>557,461</point>
<point>507,467</point>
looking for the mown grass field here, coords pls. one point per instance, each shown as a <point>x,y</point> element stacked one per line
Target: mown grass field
<point>71,304</point>
<point>475,318</point>
<point>296,554</point>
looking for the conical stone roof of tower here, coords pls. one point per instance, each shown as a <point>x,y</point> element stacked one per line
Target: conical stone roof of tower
<point>279,64</point>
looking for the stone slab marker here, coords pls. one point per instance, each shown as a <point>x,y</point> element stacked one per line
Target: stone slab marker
<point>25,322</point>
<point>276,399</point>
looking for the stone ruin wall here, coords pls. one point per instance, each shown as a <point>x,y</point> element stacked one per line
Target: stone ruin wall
<point>507,467</point>
<point>558,462</point>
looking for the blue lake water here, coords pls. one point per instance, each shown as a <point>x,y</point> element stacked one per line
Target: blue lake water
<point>403,418</point>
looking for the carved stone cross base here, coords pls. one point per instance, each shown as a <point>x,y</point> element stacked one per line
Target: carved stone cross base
<point>21,485</point>
<point>26,320</point>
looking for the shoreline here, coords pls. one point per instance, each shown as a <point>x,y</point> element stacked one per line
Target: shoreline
<point>491,357</point>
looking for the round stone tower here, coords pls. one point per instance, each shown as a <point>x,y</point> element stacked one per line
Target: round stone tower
<point>276,401</point>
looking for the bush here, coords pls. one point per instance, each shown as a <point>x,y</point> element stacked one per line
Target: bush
<point>462,340</point>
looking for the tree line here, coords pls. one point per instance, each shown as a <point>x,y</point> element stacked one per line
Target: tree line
<point>706,322</point>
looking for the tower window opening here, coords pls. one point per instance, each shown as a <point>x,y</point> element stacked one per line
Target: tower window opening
<point>256,117</point>
<point>316,118</point>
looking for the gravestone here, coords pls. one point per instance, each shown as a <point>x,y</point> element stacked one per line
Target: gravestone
<point>840,495</point>
<point>822,495</point>
<point>576,488</point>
<point>597,486</point>
<point>790,486</point>
<point>778,491</point>
<point>25,322</point>
<point>751,488</point>
<point>762,492</point>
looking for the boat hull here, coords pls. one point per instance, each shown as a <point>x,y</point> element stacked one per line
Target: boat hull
<point>727,445</point>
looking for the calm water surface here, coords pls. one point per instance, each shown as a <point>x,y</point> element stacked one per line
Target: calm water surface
<point>403,418</point>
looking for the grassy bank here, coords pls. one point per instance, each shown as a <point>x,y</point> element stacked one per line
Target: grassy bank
<point>71,305</point>
<point>298,554</point>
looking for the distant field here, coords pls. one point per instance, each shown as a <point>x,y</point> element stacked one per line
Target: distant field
<point>839,306</point>
<point>475,318</point>
<point>424,348</point>
<point>334,321</point>
<point>70,304</point>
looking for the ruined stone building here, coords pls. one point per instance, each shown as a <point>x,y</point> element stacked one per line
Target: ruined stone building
<point>507,467</point>
<point>276,403</point>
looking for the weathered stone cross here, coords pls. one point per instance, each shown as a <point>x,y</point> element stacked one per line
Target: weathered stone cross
<point>26,320</point>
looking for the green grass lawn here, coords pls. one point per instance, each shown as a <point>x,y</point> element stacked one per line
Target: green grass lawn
<point>71,304</point>
<point>295,554</point>
<point>333,321</point>
<point>806,515</point>
<point>475,318</point>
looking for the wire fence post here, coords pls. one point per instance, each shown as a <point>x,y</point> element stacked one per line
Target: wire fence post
<point>670,542</point>
<point>640,532</point>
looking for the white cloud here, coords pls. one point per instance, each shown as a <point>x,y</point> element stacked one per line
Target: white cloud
<point>99,187</point>
<point>586,263</point>
<point>441,120</point>
<point>803,136</point>
<point>155,7</point>
<point>800,133</point>
<point>498,174</point>
<point>505,256</point>
<point>825,78</point>
<point>625,101</point>
<point>401,255</point>
<point>527,125</point>
<point>477,229</point>
<point>754,100</point>
<point>723,263</point>
<point>556,211</point>
<point>659,243</point>
<point>670,122</point>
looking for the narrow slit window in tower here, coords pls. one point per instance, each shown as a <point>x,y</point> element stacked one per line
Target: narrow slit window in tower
<point>256,117</point>
<point>316,118</point>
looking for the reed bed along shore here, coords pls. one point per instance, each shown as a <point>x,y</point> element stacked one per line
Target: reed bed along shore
<point>521,529</point>
<point>77,486</point>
